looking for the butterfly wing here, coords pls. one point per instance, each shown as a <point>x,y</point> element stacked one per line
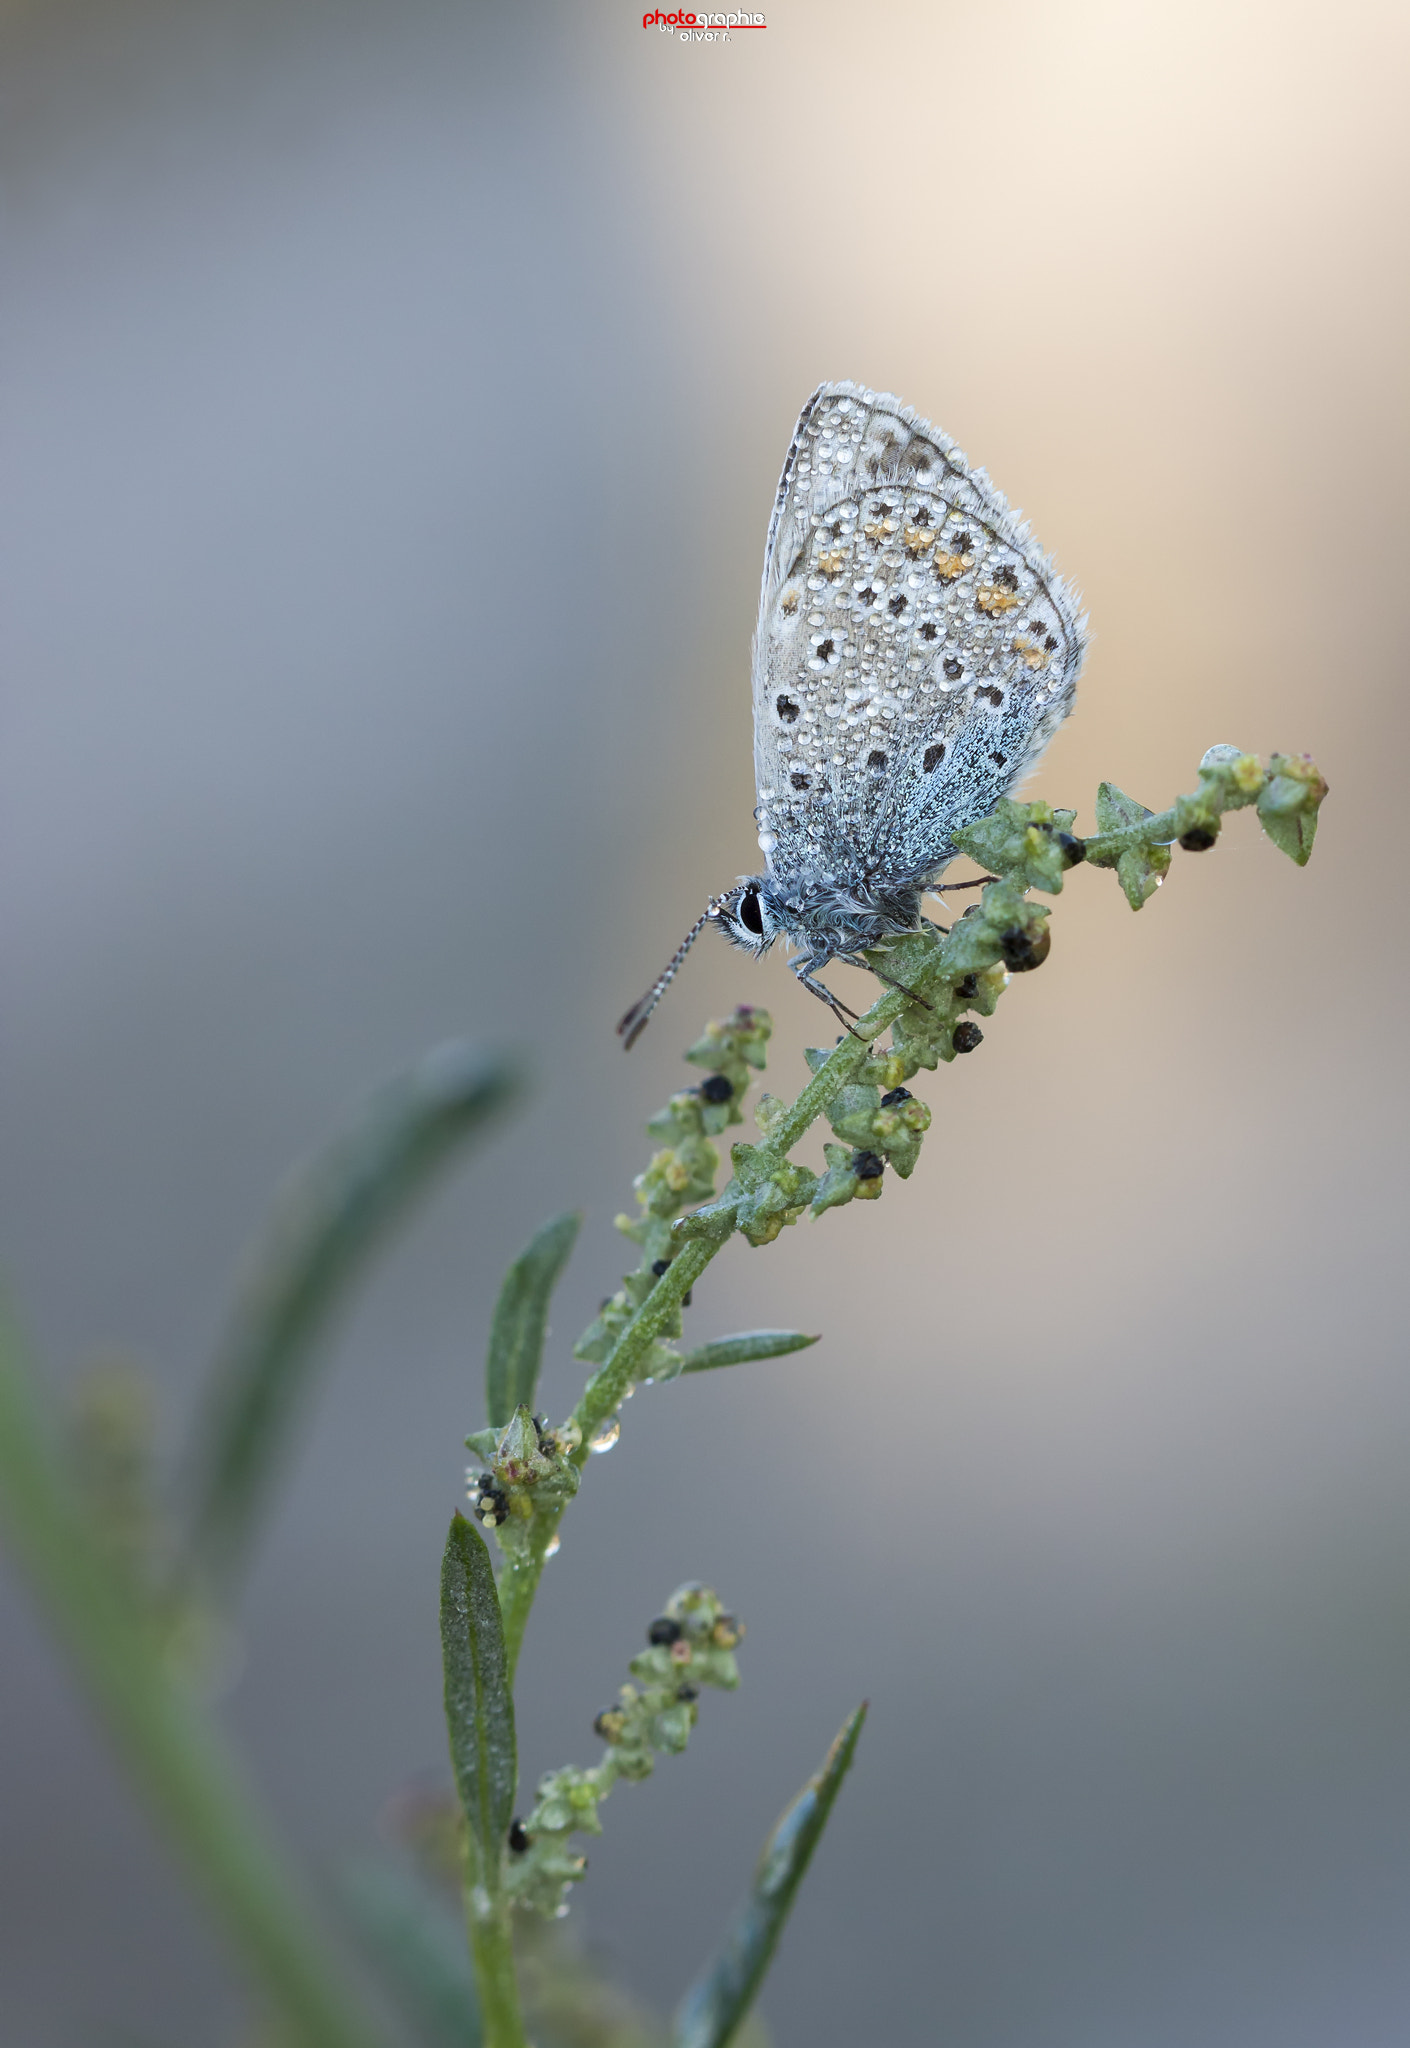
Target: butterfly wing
<point>915,650</point>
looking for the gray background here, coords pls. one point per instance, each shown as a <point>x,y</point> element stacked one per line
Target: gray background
<point>393,403</point>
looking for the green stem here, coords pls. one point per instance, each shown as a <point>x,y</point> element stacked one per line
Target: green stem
<point>833,1076</point>
<point>606,1390</point>
<point>1160,829</point>
<point>176,1752</point>
<point>492,1952</point>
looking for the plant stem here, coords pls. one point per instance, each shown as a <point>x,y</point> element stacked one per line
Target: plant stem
<point>1160,829</point>
<point>492,1952</point>
<point>605,1391</point>
<point>176,1752</point>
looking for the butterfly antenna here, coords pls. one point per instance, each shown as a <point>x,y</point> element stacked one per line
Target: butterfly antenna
<point>637,1017</point>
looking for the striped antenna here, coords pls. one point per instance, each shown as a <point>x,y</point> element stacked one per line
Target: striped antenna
<point>635,1021</point>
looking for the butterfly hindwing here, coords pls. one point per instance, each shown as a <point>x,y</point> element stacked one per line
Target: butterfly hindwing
<point>915,649</point>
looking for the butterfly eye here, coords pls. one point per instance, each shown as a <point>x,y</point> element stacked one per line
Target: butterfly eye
<point>750,915</point>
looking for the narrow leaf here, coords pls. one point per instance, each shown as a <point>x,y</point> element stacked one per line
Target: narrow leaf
<point>718,2001</point>
<point>418,1947</point>
<point>748,1345</point>
<point>521,1319</point>
<point>339,1208</point>
<point>479,1704</point>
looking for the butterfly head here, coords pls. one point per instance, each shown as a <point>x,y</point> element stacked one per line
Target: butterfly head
<point>748,915</point>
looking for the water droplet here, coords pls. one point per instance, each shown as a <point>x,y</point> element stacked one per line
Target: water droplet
<point>603,1439</point>
<point>554,1545</point>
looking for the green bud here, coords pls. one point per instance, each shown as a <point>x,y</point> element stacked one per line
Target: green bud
<point>1030,845</point>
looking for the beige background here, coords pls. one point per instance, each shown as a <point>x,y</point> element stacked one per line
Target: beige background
<point>395,396</point>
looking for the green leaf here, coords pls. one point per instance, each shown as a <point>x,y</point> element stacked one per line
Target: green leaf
<point>1139,869</point>
<point>521,1319</point>
<point>176,1753</point>
<point>1287,807</point>
<point>418,1947</point>
<point>1031,844</point>
<point>479,1704</point>
<point>340,1207</point>
<point>716,2004</point>
<point>748,1345</point>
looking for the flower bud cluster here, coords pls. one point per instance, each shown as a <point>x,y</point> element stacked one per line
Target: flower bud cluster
<point>690,1644</point>
<point>531,1470</point>
<point>1288,794</point>
<point>680,1175</point>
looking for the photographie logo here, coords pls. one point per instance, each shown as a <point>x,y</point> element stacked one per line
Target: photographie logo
<point>700,28</point>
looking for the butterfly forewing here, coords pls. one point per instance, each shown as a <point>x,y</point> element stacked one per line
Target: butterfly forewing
<point>915,649</point>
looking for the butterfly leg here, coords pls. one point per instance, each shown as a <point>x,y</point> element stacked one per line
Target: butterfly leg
<point>803,970</point>
<point>902,987</point>
<point>856,960</point>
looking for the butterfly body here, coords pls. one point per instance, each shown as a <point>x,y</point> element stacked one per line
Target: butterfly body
<point>914,654</point>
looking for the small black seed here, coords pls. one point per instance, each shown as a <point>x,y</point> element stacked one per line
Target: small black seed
<point>1198,839</point>
<point>932,757</point>
<point>716,1088</point>
<point>895,1095</point>
<point>966,1037</point>
<point>660,1266</point>
<point>687,1692</point>
<point>1074,848</point>
<point>518,1837</point>
<point>953,669</point>
<point>664,1630</point>
<point>967,989</point>
<point>868,1165</point>
<point>1024,950</point>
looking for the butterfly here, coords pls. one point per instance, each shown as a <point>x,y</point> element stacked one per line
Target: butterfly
<point>915,652</point>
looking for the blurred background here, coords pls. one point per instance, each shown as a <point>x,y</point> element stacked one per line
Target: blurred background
<point>395,393</point>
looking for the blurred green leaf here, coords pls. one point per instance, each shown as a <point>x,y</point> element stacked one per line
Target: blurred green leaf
<point>748,1345</point>
<point>176,1753</point>
<point>418,1946</point>
<point>339,1208</point>
<point>479,1704</point>
<point>719,2000</point>
<point>521,1319</point>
